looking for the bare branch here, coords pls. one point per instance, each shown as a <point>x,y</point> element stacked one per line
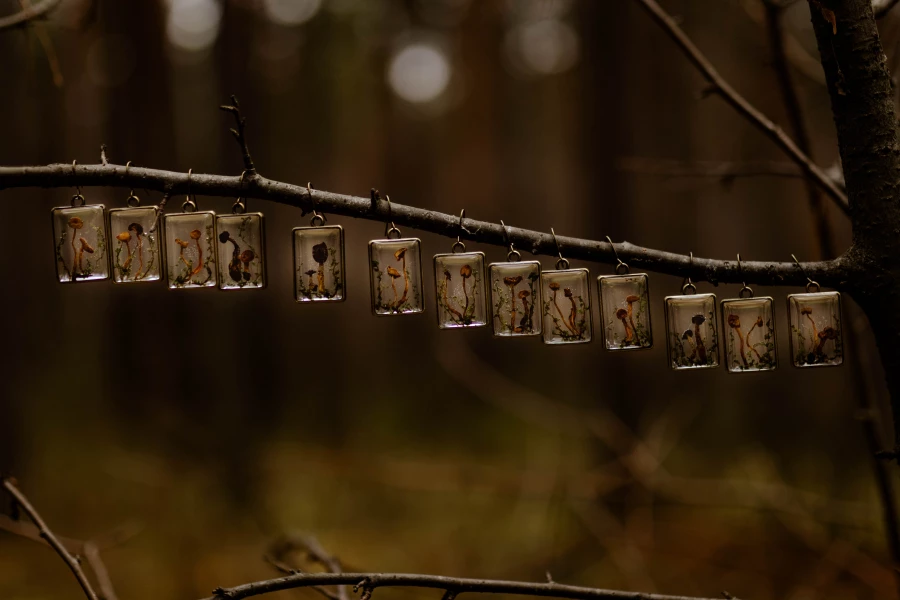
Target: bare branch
<point>47,44</point>
<point>774,20</point>
<point>289,570</point>
<point>92,554</point>
<point>24,16</point>
<point>238,134</point>
<point>45,533</point>
<point>368,582</point>
<point>882,7</point>
<point>837,273</point>
<point>742,106</point>
<point>287,543</point>
<point>103,159</point>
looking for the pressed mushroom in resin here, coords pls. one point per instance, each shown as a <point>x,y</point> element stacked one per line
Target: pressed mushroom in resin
<point>691,331</point>
<point>79,240</point>
<point>135,252</point>
<point>749,334</point>
<point>628,293</point>
<point>815,328</point>
<point>241,251</point>
<point>566,310</point>
<point>318,263</point>
<point>190,249</point>
<point>396,276</point>
<point>459,293</point>
<point>515,296</point>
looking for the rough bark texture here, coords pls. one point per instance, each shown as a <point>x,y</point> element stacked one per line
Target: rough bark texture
<point>859,85</point>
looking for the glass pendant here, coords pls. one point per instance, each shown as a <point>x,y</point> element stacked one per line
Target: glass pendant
<point>190,248</point>
<point>242,249</point>
<point>135,235</point>
<point>79,241</point>
<point>691,330</point>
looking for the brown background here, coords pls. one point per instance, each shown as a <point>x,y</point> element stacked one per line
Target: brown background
<point>217,420</point>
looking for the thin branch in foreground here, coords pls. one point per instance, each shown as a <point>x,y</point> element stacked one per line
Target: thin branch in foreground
<point>24,16</point>
<point>287,543</point>
<point>883,7</point>
<point>235,109</point>
<point>368,582</point>
<point>840,273</point>
<point>722,170</point>
<point>46,534</point>
<point>40,33</point>
<point>742,106</point>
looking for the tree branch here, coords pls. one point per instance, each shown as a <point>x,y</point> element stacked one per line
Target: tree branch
<point>724,170</point>
<point>370,581</point>
<point>837,273</point>
<point>774,15</point>
<point>238,134</point>
<point>27,14</point>
<point>51,539</point>
<point>740,104</point>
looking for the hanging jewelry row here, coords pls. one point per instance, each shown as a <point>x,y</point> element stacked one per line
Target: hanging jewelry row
<point>201,249</point>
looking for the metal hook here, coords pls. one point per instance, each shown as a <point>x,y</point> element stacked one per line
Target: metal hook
<point>458,244</point>
<point>810,283</point>
<point>746,289</point>
<point>689,284</point>
<point>389,227</point>
<point>562,263</point>
<point>132,200</point>
<point>513,255</point>
<point>189,203</point>
<point>240,205</point>
<point>620,265</point>
<point>318,219</point>
<point>78,198</point>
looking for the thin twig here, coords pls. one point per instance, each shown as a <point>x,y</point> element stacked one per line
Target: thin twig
<point>882,7</point>
<point>45,533</point>
<point>839,273</point>
<point>725,171</point>
<point>235,109</point>
<point>742,106</point>
<point>47,44</point>
<point>24,16</point>
<point>92,555</point>
<point>775,27</point>
<point>370,581</point>
<point>285,544</point>
<point>103,160</point>
<point>288,570</point>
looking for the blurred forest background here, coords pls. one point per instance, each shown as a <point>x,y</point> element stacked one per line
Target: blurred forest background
<point>214,422</point>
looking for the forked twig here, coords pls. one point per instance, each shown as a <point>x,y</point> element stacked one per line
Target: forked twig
<point>235,109</point>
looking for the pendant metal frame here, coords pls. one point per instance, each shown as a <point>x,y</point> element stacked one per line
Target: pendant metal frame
<point>170,222</point>
<point>142,231</point>
<point>797,305</point>
<point>340,292</point>
<point>733,311</point>
<point>642,332</point>
<point>62,215</point>
<point>580,332</point>
<point>464,318</point>
<point>227,269</point>
<point>497,297</point>
<point>677,355</point>
<point>414,296</point>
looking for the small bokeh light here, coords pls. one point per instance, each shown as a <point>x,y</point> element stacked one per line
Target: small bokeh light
<point>193,25</point>
<point>291,12</point>
<point>419,72</point>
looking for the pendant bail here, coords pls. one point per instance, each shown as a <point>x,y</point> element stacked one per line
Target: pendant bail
<point>561,263</point>
<point>132,201</point>
<point>620,264</point>
<point>458,245</point>
<point>318,219</point>
<point>810,284</point>
<point>513,255</point>
<point>389,227</point>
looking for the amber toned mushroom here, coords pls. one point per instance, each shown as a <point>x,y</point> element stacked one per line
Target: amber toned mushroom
<point>75,223</point>
<point>699,320</point>
<point>734,321</point>
<point>394,274</point>
<point>622,315</point>
<point>125,238</point>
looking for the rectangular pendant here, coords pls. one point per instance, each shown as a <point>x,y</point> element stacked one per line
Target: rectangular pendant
<point>319,264</point>
<point>749,326</point>
<point>514,294</point>
<point>242,251</point>
<point>815,323</point>
<point>396,276</point>
<point>567,306</point>
<point>135,234</point>
<point>79,243</point>
<point>625,311</point>
<point>691,331</point>
<point>459,283</point>
<point>190,249</point>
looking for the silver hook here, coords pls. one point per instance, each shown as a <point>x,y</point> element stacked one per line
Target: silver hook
<point>689,284</point>
<point>389,227</point>
<point>188,202</point>
<point>746,289</point>
<point>513,255</point>
<point>620,265</point>
<point>132,200</point>
<point>240,205</point>
<point>78,198</point>
<point>810,283</point>
<point>458,244</point>
<point>562,263</point>
<point>318,219</point>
